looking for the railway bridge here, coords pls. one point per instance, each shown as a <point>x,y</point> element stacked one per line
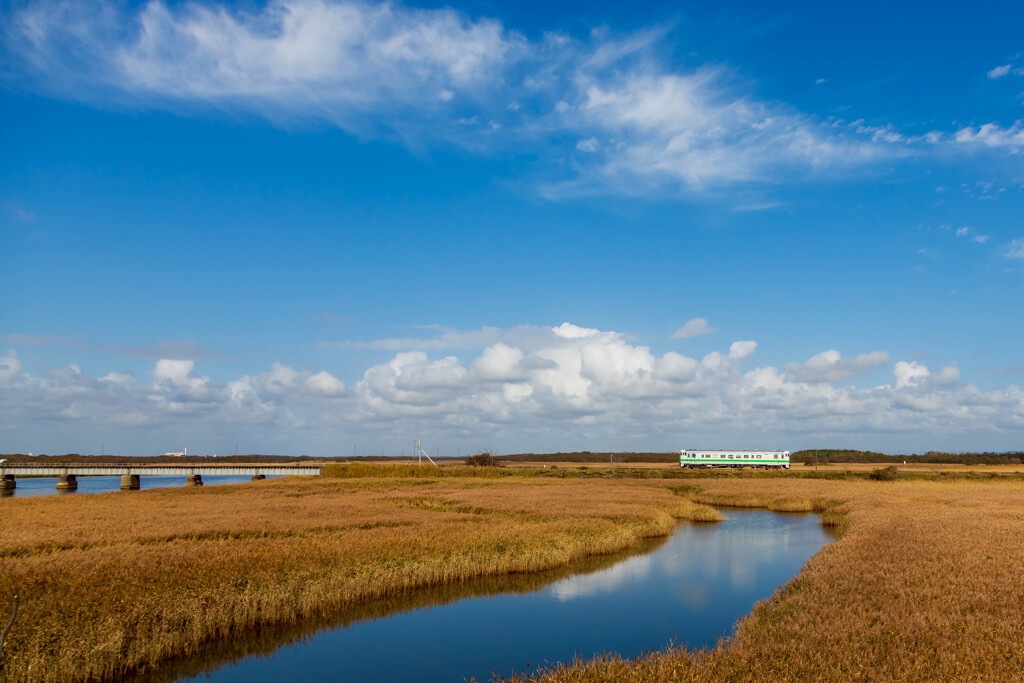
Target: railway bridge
<point>130,473</point>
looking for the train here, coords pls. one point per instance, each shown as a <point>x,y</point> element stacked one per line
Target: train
<point>756,459</point>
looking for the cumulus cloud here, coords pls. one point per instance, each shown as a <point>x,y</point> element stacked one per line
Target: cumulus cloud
<point>830,366</point>
<point>325,384</point>
<point>425,77</point>
<point>568,383</point>
<point>694,327</point>
<point>909,374</point>
<point>570,331</point>
<point>10,367</point>
<point>500,363</point>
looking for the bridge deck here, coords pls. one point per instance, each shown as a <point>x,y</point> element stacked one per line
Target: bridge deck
<point>56,469</point>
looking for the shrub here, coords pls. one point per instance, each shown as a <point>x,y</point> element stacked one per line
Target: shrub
<point>885,474</point>
<point>485,459</point>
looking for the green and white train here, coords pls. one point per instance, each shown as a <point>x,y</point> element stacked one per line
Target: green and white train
<point>757,459</point>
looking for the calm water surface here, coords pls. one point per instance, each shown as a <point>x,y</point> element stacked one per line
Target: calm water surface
<point>690,588</point>
<point>47,486</point>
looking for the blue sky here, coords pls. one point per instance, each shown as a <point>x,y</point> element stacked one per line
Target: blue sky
<point>326,227</point>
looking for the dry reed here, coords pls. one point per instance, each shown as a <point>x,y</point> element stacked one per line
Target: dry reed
<point>121,582</point>
<point>924,584</point>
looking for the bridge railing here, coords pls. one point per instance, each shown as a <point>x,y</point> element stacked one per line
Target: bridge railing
<point>130,472</point>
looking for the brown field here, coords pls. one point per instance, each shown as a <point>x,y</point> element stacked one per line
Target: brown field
<point>926,581</point>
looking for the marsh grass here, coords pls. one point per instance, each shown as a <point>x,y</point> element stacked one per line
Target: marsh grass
<point>118,583</point>
<point>268,640</point>
<point>923,584</point>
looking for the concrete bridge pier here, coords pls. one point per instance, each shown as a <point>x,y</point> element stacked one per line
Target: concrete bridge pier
<point>130,482</point>
<point>259,477</point>
<point>194,480</point>
<point>67,482</point>
<point>7,482</point>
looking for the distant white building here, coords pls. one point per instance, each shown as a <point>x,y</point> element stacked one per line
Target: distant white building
<point>177,454</point>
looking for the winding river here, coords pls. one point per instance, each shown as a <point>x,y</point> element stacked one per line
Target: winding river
<point>689,588</point>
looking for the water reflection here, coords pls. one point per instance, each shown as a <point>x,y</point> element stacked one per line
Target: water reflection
<point>28,487</point>
<point>689,588</point>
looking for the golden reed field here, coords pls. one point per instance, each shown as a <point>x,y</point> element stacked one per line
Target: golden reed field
<point>926,581</point>
<point>121,581</point>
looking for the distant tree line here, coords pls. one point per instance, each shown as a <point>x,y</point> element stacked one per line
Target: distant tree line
<point>822,456</point>
<point>588,456</point>
<point>843,456</point>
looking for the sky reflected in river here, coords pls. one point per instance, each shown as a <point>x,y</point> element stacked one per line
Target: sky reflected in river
<point>689,589</point>
<point>28,487</point>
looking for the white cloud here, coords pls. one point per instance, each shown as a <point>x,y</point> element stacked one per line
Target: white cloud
<point>909,374</point>
<point>566,383</point>
<point>694,327</point>
<point>570,331</point>
<point>999,71</point>
<point>689,131</point>
<point>174,372</point>
<point>344,61</point>
<point>993,135</point>
<point>970,232</point>
<point>326,384</point>
<point>448,339</point>
<point>10,367</point>
<point>830,366</point>
<point>500,363</point>
<point>742,350</point>
<point>1015,249</point>
<point>642,124</point>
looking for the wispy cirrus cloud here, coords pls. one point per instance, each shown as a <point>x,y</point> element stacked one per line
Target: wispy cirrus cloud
<point>971,234</point>
<point>1015,249</point>
<point>993,135</point>
<point>694,327</point>
<point>830,366</point>
<point>999,71</point>
<point>609,112</point>
<point>166,348</point>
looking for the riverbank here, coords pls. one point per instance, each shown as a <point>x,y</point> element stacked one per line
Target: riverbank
<point>121,582</point>
<point>923,583</point>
